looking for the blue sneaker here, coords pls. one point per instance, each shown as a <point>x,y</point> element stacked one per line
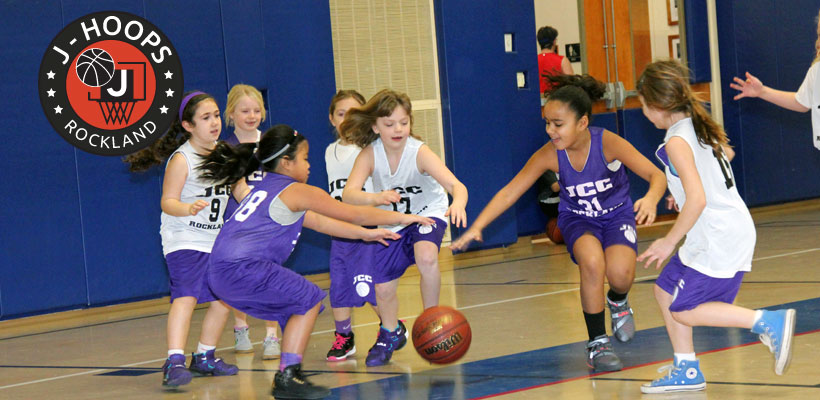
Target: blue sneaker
<point>386,343</point>
<point>685,376</point>
<point>174,372</point>
<point>776,330</point>
<point>203,364</point>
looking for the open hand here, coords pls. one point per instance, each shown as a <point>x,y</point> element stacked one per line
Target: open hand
<point>751,87</point>
<point>645,211</point>
<point>380,235</point>
<point>458,216</point>
<point>657,252</point>
<point>463,242</point>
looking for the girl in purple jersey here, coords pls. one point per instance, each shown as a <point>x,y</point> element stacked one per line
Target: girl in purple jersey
<point>191,218</point>
<point>596,216</point>
<point>245,110</point>
<point>246,262</point>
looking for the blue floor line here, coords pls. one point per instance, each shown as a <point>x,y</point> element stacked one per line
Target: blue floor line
<point>553,364</point>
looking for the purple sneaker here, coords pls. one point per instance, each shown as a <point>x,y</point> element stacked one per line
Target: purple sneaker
<point>203,364</point>
<point>386,343</point>
<point>174,372</point>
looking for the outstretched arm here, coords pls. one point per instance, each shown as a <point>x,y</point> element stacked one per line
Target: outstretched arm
<point>302,197</point>
<point>543,159</point>
<point>428,162</point>
<point>753,87</point>
<point>681,156</point>
<point>363,168</point>
<point>341,229</point>
<point>617,148</point>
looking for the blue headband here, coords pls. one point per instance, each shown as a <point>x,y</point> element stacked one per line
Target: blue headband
<point>185,102</point>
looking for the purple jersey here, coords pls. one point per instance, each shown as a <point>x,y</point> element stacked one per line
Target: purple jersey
<point>251,233</point>
<point>599,188</point>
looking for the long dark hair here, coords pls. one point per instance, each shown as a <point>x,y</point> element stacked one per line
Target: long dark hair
<point>578,92</point>
<point>228,164</point>
<point>159,151</point>
<point>664,85</point>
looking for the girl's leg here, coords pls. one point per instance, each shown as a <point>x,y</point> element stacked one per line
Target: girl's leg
<point>204,360</point>
<point>717,314</point>
<point>620,272</point>
<point>297,333</point>
<point>240,319</point>
<point>179,321</point>
<point>426,254</point>
<point>679,334</point>
<point>388,304</point>
<point>271,348</point>
<point>290,382</point>
<point>214,323</point>
<point>592,266</point>
<point>241,333</point>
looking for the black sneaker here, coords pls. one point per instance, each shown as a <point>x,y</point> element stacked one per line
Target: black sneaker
<point>403,335</point>
<point>292,384</point>
<point>343,346</point>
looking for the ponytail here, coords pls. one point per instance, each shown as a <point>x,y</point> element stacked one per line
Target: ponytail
<point>578,92</point>
<point>176,135</point>
<point>817,42</point>
<point>664,85</point>
<point>228,164</point>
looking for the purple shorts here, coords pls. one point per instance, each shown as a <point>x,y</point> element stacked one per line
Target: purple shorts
<point>263,289</point>
<point>393,260</point>
<point>186,270</point>
<point>351,272</point>
<point>617,227</point>
<point>691,288</point>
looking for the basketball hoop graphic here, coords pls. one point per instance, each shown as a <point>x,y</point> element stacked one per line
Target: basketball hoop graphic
<point>109,83</point>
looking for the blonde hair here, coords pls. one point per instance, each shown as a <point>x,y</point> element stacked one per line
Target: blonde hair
<point>664,85</point>
<point>236,93</point>
<point>357,127</point>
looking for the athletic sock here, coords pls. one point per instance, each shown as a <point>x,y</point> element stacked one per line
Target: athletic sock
<point>201,348</point>
<point>596,324</point>
<point>289,359</point>
<point>616,297</point>
<point>344,327</point>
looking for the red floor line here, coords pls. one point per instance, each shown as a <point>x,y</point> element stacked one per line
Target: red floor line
<point>625,369</point>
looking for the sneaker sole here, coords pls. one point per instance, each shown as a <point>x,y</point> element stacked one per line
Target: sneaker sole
<point>174,385</point>
<point>782,363</point>
<point>271,356</point>
<point>286,396</point>
<point>344,357</point>
<point>670,389</point>
<point>243,351</point>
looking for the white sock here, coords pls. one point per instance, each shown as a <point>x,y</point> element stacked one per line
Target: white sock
<point>201,348</point>
<point>758,315</point>
<point>685,357</point>
<point>175,351</point>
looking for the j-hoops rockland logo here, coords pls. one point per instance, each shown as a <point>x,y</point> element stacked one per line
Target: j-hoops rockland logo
<point>110,83</point>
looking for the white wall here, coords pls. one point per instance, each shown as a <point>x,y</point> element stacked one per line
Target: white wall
<point>660,28</point>
<point>563,16</point>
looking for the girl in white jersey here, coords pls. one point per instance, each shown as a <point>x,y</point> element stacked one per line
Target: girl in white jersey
<point>699,284</point>
<point>192,210</point>
<point>806,98</point>
<point>407,177</point>
<point>245,110</point>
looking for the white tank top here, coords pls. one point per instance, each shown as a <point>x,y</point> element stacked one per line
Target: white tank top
<point>194,232</point>
<point>339,160</point>
<point>722,241</point>
<point>420,193</point>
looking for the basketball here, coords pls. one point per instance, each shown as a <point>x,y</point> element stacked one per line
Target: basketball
<point>95,67</point>
<point>441,335</point>
<point>553,232</point>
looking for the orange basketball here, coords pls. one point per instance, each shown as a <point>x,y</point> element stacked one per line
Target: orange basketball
<point>553,232</point>
<point>441,335</point>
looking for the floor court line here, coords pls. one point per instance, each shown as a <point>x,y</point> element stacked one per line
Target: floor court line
<point>125,366</point>
<point>718,383</point>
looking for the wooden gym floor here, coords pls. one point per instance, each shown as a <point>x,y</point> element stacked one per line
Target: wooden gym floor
<point>528,335</point>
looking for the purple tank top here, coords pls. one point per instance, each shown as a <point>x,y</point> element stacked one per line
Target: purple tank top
<point>596,190</point>
<point>251,233</point>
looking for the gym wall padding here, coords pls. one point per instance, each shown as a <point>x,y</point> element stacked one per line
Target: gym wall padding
<point>773,40</point>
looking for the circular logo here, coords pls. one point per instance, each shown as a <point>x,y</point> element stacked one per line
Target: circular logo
<point>110,83</point>
<point>425,229</point>
<point>629,234</point>
<point>691,373</point>
<point>362,289</point>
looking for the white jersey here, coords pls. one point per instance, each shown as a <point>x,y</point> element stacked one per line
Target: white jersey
<point>420,193</point>
<point>809,96</point>
<point>194,232</point>
<point>722,241</point>
<point>339,160</point>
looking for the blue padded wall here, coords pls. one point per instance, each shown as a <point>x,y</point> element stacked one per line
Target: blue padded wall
<point>697,41</point>
<point>775,42</point>
<point>43,261</point>
<point>473,95</point>
<point>525,128</point>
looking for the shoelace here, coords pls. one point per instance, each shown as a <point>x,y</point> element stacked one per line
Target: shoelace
<point>768,342</point>
<point>340,342</point>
